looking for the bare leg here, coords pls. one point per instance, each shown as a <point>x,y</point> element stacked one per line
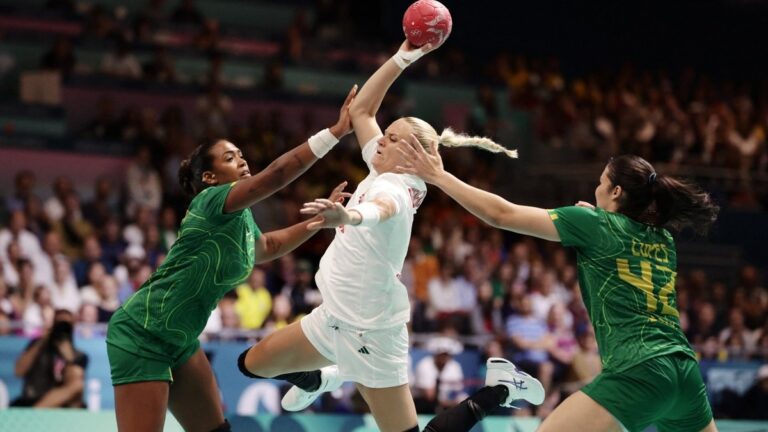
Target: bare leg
<point>69,394</point>
<point>711,427</point>
<point>284,351</point>
<point>194,396</point>
<point>579,412</point>
<point>141,406</point>
<point>392,407</point>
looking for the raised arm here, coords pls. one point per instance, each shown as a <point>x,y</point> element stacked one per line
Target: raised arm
<point>492,209</point>
<point>290,165</point>
<point>363,110</point>
<point>274,244</point>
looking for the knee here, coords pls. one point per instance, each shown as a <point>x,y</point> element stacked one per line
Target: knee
<point>251,364</point>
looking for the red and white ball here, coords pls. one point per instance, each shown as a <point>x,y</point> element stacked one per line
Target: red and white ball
<point>427,21</point>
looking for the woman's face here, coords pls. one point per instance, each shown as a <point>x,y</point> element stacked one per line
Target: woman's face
<point>607,194</point>
<point>387,156</point>
<point>228,164</point>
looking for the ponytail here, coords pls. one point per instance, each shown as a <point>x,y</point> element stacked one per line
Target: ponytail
<point>660,200</point>
<point>451,139</point>
<point>426,134</point>
<point>192,168</point>
<point>680,204</point>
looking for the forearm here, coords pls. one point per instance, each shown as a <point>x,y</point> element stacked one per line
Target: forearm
<point>370,96</point>
<point>485,205</point>
<point>278,243</point>
<point>27,358</point>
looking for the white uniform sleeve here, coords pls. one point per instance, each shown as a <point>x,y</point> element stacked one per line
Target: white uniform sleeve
<point>391,186</point>
<point>369,149</point>
<point>426,374</point>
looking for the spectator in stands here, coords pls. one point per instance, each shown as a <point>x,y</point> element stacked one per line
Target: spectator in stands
<point>737,339</point>
<point>6,305</point>
<point>444,293</point>
<point>586,363</point>
<point>104,295</point>
<point>54,206</point>
<point>103,204</point>
<point>72,227</point>
<point>112,243</point>
<point>254,302</point>
<point>439,379</point>
<point>23,194</point>
<point>44,264</point>
<point>52,368</point>
<point>531,342</point>
<point>17,232</point>
<point>61,57</point>
<point>38,314</point>
<point>143,185</point>
<point>92,254</point>
<point>121,62</point>
<point>168,227</point>
<point>63,289</point>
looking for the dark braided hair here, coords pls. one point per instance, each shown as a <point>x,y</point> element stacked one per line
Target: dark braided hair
<point>192,168</point>
<point>660,200</point>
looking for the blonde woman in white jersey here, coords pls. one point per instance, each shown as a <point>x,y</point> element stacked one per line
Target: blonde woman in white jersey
<point>359,333</point>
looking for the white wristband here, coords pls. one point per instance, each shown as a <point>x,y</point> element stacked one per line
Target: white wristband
<point>369,214</point>
<point>403,58</point>
<point>322,142</point>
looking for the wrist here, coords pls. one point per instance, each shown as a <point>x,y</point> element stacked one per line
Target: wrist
<point>368,214</point>
<point>404,58</point>
<point>336,131</point>
<point>322,142</point>
<point>354,217</point>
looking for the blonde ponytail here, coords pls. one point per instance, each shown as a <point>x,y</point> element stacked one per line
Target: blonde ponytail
<point>449,138</point>
<point>426,135</point>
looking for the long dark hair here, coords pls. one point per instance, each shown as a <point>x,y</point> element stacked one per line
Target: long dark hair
<point>659,200</point>
<point>192,168</point>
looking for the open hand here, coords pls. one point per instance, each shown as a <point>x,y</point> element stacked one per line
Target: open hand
<point>426,164</point>
<point>585,205</point>
<point>344,125</point>
<point>330,214</point>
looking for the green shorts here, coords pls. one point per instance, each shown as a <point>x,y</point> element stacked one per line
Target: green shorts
<point>665,391</point>
<point>136,355</point>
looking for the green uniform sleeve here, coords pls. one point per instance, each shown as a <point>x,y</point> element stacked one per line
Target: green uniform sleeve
<point>210,202</point>
<point>577,226</point>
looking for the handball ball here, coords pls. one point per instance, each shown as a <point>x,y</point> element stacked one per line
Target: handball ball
<point>427,21</point>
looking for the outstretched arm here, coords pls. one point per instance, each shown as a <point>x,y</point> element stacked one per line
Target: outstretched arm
<point>290,165</point>
<point>363,110</point>
<point>333,214</point>
<point>491,208</point>
<point>274,244</point>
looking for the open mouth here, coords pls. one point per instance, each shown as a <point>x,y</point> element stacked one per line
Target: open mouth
<point>245,173</point>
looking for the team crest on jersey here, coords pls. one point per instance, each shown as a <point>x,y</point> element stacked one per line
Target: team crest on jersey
<point>417,197</point>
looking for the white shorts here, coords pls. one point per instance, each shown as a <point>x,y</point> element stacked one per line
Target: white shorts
<point>374,358</point>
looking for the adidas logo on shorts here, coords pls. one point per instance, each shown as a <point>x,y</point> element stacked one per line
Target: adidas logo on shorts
<point>363,350</point>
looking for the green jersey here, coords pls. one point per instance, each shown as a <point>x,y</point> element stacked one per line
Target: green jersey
<point>213,254</point>
<point>627,276</point>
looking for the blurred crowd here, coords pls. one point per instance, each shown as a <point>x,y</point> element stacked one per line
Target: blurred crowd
<point>86,252</point>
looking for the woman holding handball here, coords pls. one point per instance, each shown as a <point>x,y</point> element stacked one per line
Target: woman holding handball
<point>154,354</point>
<point>359,332</point>
<point>627,266</point>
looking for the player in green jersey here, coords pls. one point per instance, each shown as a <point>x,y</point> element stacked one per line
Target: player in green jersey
<point>627,266</point>
<point>152,339</point>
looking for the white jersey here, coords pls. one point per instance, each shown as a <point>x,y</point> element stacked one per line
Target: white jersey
<point>359,275</point>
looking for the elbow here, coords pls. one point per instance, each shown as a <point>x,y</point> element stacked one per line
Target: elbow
<point>358,110</point>
<point>19,371</point>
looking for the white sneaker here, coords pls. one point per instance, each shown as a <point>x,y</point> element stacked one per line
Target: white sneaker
<point>520,384</point>
<point>297,399</point>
